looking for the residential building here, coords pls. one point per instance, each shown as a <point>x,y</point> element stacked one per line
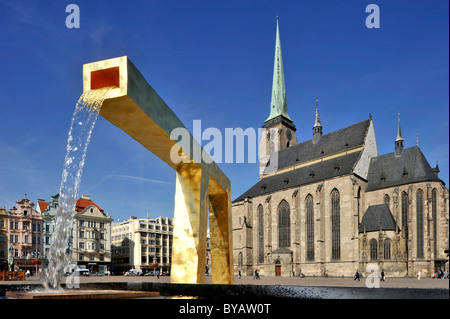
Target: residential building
<point>48,211</point>
<point>3,239</point>
<point>91,236</point>
<point>25,235</point>
<point>142,244</point>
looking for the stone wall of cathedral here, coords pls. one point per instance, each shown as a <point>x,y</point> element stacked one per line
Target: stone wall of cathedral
<point>354,248</point>
<point>414,262</point>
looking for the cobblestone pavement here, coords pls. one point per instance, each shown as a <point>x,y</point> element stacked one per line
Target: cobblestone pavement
<point>293,281</point>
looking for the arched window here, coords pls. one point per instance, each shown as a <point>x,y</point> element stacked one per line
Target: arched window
<point>405,203</point>
<point>387,249</point>
<point>434,216</point>
<point>419,218</point>
<point>260,234</point>
<point>309,208</point>
<point>335,225</point>
<point>373,249</point>
<point>240,259</point>
<point>387,199</point>
<point>284,225</point>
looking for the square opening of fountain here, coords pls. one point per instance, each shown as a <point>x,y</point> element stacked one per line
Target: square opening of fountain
<point>105,78</point>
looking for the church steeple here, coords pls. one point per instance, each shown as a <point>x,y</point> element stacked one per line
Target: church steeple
<point>317,129</point>
<point>278,105</point>
<point>399,140</point>
<point>280,130</point>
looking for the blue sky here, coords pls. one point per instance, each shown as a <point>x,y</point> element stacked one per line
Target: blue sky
<point>213,61</point>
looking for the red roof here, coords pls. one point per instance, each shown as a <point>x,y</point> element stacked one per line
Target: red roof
<point>42,205</point>
<point>83,203</point>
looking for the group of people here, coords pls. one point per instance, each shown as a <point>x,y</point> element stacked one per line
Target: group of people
<point>255,275</point>
<point>358,275</point>
<point>440,275</point>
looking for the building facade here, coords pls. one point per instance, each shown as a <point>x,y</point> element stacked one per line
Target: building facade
<point>331,205</point>
<point>25,235</point>
<point>3,239</point>
<point>48,211</point>
<point>142,244</point>
<point>91,236</point>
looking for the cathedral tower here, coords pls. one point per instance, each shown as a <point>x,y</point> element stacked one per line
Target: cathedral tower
<point>280,130</point>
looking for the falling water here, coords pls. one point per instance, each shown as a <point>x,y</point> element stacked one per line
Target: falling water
<point>83,122</point>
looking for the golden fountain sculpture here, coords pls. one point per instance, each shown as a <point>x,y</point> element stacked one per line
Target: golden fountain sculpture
<point>138,110</point>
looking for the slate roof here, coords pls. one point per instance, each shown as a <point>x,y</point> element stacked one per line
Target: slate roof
<point>338,141</point>
<point>305,175</point>
<point>376,217</point>
<point>335,142</point>
<point>390,170</point>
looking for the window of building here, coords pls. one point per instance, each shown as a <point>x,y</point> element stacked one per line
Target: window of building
<point>435,220</point>
<point>419,203</point>
<point>240,259</point>
<point>405,203</point>
<point>387,249</point>
<point>284,225</point>
<point>387,199</point>
<point>373,249</point>
<point>335,225</point>
<point>260,234</point>
<point>309,208</point>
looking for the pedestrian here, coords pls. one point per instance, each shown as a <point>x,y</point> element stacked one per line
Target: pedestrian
<point>357,275</point>
<point>418,275</point>
<point>157,273</point>
<point>382,275</point>
<point>255,274</point>
<point>239,274</point>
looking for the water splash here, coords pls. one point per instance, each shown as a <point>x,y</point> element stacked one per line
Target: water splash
<point>83,122</point>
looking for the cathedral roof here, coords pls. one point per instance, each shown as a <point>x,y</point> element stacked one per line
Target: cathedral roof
<point>313,173</point>
<point>335,142</point>
<point>377,217</point>
<point>391,170</point>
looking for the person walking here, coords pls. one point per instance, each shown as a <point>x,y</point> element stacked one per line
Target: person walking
<point>418,275</point>
<point>383,277</point>
<point>357,275</point>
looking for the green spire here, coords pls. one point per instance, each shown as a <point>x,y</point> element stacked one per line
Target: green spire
<point>278,104</point>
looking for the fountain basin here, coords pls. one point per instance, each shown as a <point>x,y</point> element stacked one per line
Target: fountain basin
<point>83,294</point>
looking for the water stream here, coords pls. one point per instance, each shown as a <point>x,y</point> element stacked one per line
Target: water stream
<point>83,122</point>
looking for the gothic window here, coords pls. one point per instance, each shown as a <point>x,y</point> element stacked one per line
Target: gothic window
<point>405,203</point>
<point>284,228</point>
<point>434,216</point>
<point>240,259</point>
<point>373,249</point>
<point>419,203</point>
<point>309,208</point>
<point>260,234</point>
<point>335,225</point>
<point>387,249</point>
<point>387,199</point>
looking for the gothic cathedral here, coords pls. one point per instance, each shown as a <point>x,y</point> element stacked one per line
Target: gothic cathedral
<point>332,204</point>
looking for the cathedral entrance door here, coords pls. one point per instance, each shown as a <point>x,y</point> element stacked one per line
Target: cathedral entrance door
<point>278,268</point>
